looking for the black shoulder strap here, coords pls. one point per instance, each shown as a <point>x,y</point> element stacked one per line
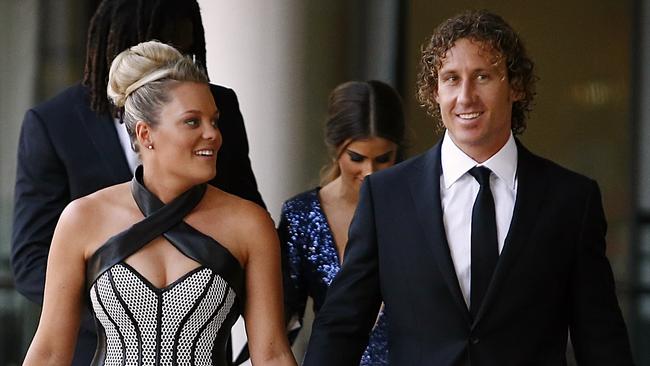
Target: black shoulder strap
<point>155,223</point>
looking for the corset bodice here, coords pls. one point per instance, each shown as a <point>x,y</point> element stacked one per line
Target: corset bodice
<point>185,323</point>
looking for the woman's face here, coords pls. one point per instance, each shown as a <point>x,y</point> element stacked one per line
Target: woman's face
<point>186,139</point>
<point>363,157</point>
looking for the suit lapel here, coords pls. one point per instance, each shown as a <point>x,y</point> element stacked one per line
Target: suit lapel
<point>103,136</point>
<point>424,185</point>
<point>531,188</point>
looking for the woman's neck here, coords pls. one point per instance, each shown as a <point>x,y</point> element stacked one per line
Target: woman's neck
<point>342,192</point>
<point>164,186</point>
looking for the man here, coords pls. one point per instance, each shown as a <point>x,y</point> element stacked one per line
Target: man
<point>483,253</point>
<point>73,144</point>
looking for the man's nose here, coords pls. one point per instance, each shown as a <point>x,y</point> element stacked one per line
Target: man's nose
<point>466,92</point>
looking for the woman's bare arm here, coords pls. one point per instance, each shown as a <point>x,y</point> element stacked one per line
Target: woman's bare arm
<point>263,314</point>
<point>55,338</point>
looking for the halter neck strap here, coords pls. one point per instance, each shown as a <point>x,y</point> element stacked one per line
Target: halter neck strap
<point>166,220</point>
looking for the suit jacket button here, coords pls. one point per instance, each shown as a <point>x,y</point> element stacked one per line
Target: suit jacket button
<point>473,340</point>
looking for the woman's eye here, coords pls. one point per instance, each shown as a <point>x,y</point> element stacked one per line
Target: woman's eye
<point>355,157</point>
<point>386,158</point>
<point>192,122</point>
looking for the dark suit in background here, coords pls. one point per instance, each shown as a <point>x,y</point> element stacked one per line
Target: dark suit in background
<point>552,275</point>
<point>67,151</point>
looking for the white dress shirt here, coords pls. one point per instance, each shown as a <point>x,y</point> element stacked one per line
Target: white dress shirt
<point>458,190</point>
<point>131,157</point>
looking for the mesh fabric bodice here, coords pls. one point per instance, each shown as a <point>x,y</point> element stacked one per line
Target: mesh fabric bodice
<point>185,323</point>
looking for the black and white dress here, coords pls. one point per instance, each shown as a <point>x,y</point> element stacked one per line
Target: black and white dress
<point>185,323</point>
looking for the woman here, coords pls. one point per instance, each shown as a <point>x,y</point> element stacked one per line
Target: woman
<point>364,133</point>
<point>167,261</point>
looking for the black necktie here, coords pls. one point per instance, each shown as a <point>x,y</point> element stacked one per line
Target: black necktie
<point>485,249</point>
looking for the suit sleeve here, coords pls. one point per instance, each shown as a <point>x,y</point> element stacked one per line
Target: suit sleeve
<point>41,193</point>
<point>294,281</point>
<point>234,172</point>
<point>342,327</point>
<point>598,332</point>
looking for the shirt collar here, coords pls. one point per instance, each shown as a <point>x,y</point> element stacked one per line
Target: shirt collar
<point>455,163</point>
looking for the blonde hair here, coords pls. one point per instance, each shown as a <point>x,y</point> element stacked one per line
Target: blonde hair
<point>140,77</point>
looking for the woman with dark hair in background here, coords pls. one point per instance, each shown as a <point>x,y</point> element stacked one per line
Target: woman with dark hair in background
<point>364,133</point>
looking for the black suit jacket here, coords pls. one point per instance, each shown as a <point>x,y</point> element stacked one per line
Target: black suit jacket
<point>552,277</point>
<point>67,151</point>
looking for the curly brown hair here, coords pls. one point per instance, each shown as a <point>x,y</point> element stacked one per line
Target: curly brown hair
<point>493,33</point>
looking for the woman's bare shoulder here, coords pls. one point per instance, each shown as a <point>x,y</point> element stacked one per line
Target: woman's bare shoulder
<point>237,208</point>
<point>236,223</point>
<point>92,219</point>
<point>93,206</point>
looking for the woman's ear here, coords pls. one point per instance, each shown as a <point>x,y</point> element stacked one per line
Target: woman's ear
<point>143,134</point>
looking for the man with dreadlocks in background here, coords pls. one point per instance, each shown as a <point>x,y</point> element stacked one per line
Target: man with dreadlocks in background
<point>74,144</point>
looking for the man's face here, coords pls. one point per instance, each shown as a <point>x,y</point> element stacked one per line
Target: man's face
<point>475,98</point>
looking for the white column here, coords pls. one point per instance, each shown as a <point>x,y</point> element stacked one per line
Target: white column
<point>255,47</point>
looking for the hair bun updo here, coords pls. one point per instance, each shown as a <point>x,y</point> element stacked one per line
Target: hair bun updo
<point>137,66</point>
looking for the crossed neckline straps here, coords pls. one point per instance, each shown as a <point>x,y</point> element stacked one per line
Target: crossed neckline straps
<point>167,220</point>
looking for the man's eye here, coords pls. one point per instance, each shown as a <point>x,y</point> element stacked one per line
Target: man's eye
<point>450,79</point>
<point>482,77</point>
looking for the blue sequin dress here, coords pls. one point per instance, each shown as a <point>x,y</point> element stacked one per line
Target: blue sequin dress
<point>311,262</point>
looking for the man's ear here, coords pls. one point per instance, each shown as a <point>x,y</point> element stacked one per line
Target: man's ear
<point>516,94</point>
